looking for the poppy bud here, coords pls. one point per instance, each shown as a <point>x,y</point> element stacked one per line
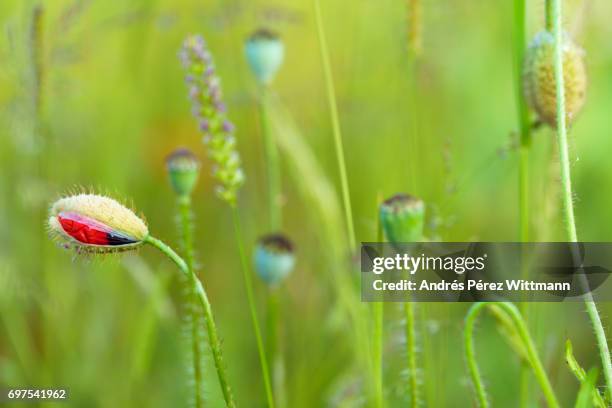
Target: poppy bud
<point>265,52</point>
<point>183,168</point>
<point>402,218</point>
<point>274,258</point>
<point>94,223</point>
<point>539,83</point>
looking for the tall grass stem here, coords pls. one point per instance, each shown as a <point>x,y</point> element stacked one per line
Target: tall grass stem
<point>213,337</point>
<point>523,333</point>
<point>184,203</point>
<point>333,107</point>
<point>248,282</point>
<point>271,163</point>
<point>554,8</point>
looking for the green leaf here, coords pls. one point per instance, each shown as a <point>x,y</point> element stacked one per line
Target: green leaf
<point>589,395</point>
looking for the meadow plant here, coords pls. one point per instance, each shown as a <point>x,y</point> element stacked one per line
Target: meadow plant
<point>515,328</point>
<point>96,224</point>
<point>264,52</point>
<point>210,111</point>
<point>183,169</point>
<point>402,218</point>
<point>274,258</point>
<point>559,61</point>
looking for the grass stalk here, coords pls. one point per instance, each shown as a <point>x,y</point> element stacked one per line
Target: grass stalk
<point>248,282</point>
<point>272,164</point>
<point>184,203</point>
<point>554,10</point>
<point>531,353</point>
<point>213,338</point>
<point>523,158</point>
<point>333,107</point>
<point>378,313</point>
<point>411,350</point>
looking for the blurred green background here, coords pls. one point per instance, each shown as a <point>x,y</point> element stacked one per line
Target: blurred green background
<point>104,102</point>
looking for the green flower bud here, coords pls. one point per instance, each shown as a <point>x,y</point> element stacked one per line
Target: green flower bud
<point>183,168</point>
<point>274,258</point>
<point>539,78</point>
<point>402,218</point>
<point>264,52</point>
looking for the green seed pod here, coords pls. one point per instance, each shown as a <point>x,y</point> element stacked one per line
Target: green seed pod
<point>402,218</point>
<point>183,169</point>
<point>539,78</point>
<point>274,258</point>
<point>265,53</point>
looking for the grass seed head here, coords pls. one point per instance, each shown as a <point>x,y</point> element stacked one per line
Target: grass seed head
<point>95,224</point>
<point>265,53</point>
<point>402,217</point>
<point>539,84</point>
<point>274,258</point>
<point>183,170</point>
<point>210,111</point>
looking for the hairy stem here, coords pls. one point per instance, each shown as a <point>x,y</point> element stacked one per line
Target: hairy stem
<point>184,203</point>
<point>554,8</point>
<point>272,164</point>
<point>411,350</point>
<point>377,354</point>
<point>531,352</point>
<point>248,282</point>
<point>213,338</point>
<point>333,107</point>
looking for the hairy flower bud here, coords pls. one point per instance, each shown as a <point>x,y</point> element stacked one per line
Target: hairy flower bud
<point>402,217</point>
<point>274,258</point>
<point>95,223</point>
<point>183,169</point>
<point>539,83</point>
<point>265,53</point>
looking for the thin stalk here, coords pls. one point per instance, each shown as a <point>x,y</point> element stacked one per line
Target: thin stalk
<point>568,204</point>
<point>213,338</point>
<point>272,164</point>
<point>275,346</point>
<point>411,350</point>
<point>548,17</point>
<point>333,108</point>
<point>377,354</point>
<point>523,157</point>
<point>184,203</point>
<point>248,282</point>
<point>523,332</point>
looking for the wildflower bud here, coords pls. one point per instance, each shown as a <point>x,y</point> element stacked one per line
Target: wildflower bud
<point>402,218</point>
<point>274,258</point>
<point>539,83</point>
<point>183,168</point>
<point>265,52</point>
<point>94,223</point>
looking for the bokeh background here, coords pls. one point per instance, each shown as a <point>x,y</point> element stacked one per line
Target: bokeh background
<point>92,95</point>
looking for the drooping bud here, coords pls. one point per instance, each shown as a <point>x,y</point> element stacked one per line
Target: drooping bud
<point>539,83</point>
<point>95,223</point>
<point>183,169</point>
<point>402,217</point>
<point>274,258</point>
<point>265,53</point>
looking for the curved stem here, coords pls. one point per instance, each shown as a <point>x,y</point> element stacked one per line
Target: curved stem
<point>272,164</point>
<point>523,333</point>
<point>184,203</point>
<point>248,282</point>
<point>568,205</point>
<point>213,338</point>
<point>333,107</point>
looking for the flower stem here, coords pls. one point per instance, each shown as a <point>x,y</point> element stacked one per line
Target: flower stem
<point>554,8</point>
<point>248,282</point>
<point>213,338</point>
<point>411,350</point>
<point>272,164</point>
<point>377,354</point>
<point>333,107</point>
<point>184,203</point>
<point>531,352</point>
